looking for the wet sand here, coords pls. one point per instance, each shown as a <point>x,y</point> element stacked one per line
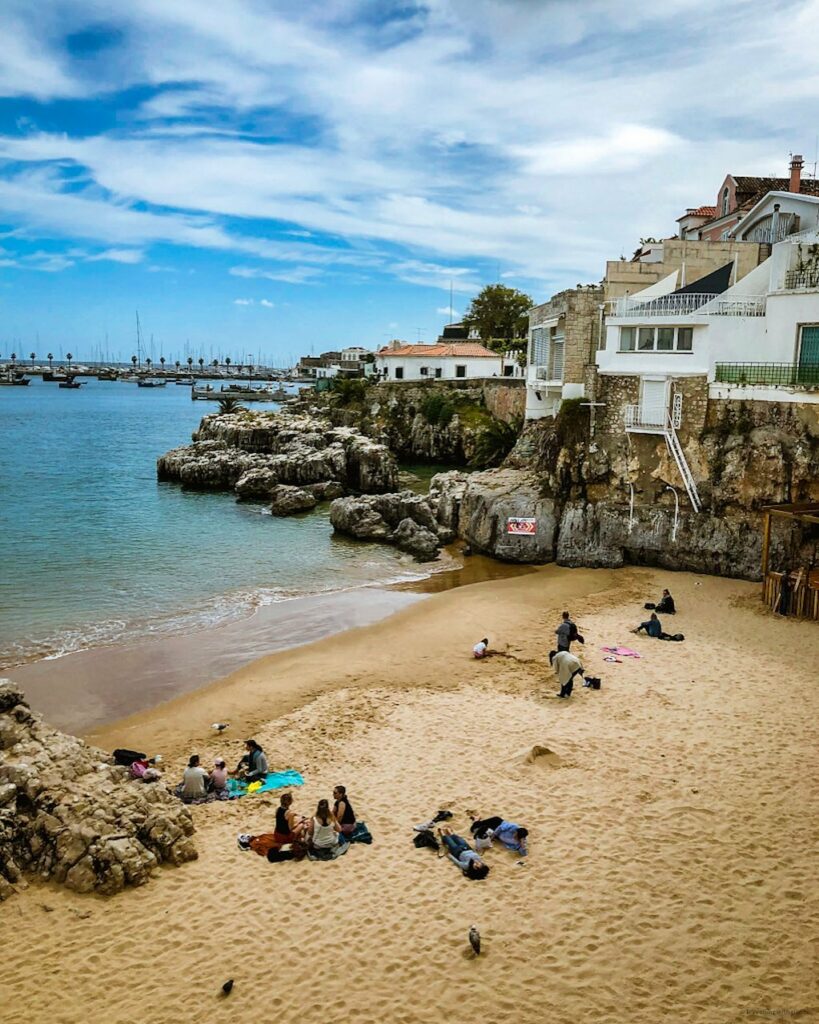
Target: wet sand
<point>83,691</point>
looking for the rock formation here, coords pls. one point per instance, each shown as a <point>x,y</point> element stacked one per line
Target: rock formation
<point>253,453</point>
<point>68,814</point>
<point>403,519</point>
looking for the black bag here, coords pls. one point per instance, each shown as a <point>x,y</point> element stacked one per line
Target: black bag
<point>426,839</point>
<point>126,757</point>
<point>595,683</point>
<point>678,637</point>
<point>650,606</point>
<point>274,855</point>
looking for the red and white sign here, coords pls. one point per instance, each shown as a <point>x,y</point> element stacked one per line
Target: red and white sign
<point>521,527</point>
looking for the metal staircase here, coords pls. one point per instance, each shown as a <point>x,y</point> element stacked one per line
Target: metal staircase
<point>656,419</point>
<point>675,448</point>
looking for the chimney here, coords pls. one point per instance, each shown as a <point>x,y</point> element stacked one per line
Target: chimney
<point>796,173</point>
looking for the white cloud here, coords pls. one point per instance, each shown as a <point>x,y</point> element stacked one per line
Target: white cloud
<point>243,302</point>
<point>267,303</point>
<point>119,256</point>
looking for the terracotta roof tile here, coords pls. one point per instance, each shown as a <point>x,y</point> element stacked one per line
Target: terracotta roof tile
<point>701,211</point>
<point>470,349</point>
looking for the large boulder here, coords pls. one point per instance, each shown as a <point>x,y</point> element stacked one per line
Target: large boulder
<point>404,519</point>
<point>416,540</point>
<point>287,501</point>
<point>68,814</point>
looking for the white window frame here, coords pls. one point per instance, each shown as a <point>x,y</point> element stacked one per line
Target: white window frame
<point>637,329</point>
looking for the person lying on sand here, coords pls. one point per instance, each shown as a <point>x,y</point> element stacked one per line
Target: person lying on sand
<point>481,648</point>
<point>254,763</point>
<point>513,836</point>
<point>462,854</point>
<point>323,829</point>
<point>665,606</point>
<point>343,811</point>
<point>566,666</point>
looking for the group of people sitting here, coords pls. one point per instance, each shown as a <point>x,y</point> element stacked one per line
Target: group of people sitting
<point>198,784</point>
<point>484,832</point>
<point>652,626</point>
<point>323,835</point>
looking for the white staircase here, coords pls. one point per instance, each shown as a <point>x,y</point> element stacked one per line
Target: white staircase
<point>675,448</point>
<point>656,419</point>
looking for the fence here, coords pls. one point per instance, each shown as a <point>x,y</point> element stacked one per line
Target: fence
<point>802,601</point>
<point>774,374</point>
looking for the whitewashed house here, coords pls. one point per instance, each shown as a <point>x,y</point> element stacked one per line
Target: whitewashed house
<point>755,340</point>
<point>456,360</point>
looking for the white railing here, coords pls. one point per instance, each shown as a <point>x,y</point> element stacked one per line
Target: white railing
<point>688,304</point>
<point>656,419</point>
<point>646,417</point>
<point>546,373</point>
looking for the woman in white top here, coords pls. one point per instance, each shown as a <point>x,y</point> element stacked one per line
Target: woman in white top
<point>324,828</point>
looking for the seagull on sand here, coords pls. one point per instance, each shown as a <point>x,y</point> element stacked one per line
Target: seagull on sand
<point>220,726</point>
<point>475,940</point>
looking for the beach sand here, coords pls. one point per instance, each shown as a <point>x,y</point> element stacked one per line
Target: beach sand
<point>672,867</point>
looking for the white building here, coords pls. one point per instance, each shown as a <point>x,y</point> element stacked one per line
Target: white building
<point>462,360</point>
<point>759,337</point>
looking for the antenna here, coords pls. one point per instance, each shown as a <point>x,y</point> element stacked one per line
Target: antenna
<point>419,331</point>
<point>451,312</point>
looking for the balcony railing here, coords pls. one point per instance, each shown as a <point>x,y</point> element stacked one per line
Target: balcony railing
<point>651,418</point>
<point>802,280</point>
<point>767,374</point>
<point>690,303</point>
<point>549,373</point>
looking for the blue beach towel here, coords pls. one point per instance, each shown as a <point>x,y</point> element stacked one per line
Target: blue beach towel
<point>274,780</point>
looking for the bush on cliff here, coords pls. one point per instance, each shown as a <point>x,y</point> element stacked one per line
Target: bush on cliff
<point>437,409</point>
<point>495,442</point>
<point>348,391</point>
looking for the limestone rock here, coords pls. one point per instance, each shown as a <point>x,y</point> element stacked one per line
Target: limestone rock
<point>286,500</point>
<point>404,519</point>
<point>416,540</point>
<point>68,814</point>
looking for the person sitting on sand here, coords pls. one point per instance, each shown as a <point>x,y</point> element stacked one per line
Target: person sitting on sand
<point>462,854</point>
<point>343,811</point>
<point>194,781</point>
<point>653,628</point>
<point>323,828</point>
<point>254,763</point>
<point>566,666</point>
<point>290,826</point>
<point>512,836</point>
<point>481,648</point>
<point>665,606</point>
<point>218,779</point>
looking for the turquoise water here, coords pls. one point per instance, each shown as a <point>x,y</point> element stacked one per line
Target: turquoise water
<point>93,550</point>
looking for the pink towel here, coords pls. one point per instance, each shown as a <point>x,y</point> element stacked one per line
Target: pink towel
<point>625,652</point>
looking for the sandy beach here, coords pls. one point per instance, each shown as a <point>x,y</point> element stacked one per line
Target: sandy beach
<point>671,875</point>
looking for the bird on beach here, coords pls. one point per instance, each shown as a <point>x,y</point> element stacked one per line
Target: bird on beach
<point>227,988</point>
<point>220,726</point>
<point>475,940</point>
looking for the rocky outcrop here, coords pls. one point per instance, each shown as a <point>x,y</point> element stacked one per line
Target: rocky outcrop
<point>254,453</point>
<point>404,519</point>
<point>286,500</point>
<point>69,815</point>
<point>479,505</point>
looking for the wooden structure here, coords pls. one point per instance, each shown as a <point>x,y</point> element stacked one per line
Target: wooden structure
<point>803,592</point>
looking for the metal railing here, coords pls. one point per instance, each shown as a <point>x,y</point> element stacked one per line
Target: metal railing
<point>646,417</point>
<point>689,303</point>
<point>802,280</point>
<point>770,374</point>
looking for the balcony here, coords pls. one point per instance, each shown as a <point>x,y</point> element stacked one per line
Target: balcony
<point>768,374</point>
<point>649,418</point>
<point>802,280</point>
<point>689,304</point>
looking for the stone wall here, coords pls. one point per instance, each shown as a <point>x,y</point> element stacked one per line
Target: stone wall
<point>505,399</point>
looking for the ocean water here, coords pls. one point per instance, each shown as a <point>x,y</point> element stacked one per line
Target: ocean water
<point>94,551</point>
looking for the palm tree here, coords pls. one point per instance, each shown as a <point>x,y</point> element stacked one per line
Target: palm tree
<point>229,404</point>
<point>177,364</point>
<point>190,361</point>
<point>69,357</point>
<point>50,359</point>
<point>32,356</point>
<point>134,362</point>
<point>227,364</point>
<point>13,358</point>
<point>162,362</point>
<point>495,442</point>
<point>215,364</point>
<point>201,362</point>
<point>148,364</point>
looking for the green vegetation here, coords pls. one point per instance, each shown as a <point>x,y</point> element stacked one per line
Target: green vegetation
<point>230,404</point>
<point>499,314</point>
<point>437,409</point>
<point>495,442</point>
<point>348,391</point>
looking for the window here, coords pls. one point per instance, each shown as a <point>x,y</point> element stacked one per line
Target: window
<point>725,201</point>
<point>540,346</point>
<point>627,339</point>
<point>438,371</point>
<point>508,369</point>
<point>557,355</point>
<point>399,373</point>
<point>645,339</point>
<point>423,371</point>
<point>685,337</point>
<point>460,371</point>
<point>665,339</point>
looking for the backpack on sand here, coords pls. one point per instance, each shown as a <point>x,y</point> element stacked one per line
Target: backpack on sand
<point>426,839</point>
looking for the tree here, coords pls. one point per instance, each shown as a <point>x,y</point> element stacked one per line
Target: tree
<point>190,361</point>
<point>32,356</point>
<point>499,313</point>
<point>495,442</point>
<point>162,362</point>
<point>50,360</point>
<point>215,364</point>
<point>13,358</point>
<point>201,362</point>
<point>133,361</point>
<point>229,404</point>
<point>177,364</point>
<point>69,357</point>
<point>227,363</point>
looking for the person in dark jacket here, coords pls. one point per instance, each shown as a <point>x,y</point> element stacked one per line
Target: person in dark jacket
<point>254,763</point>
<point>343,810</point>
<point>665,606</point>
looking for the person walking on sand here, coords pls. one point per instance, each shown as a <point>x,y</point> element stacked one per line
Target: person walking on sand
<point>343,810</point>
<point>566,632</point>
<point>566,666</point>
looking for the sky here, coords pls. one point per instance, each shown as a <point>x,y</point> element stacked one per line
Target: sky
<point>278,178</point>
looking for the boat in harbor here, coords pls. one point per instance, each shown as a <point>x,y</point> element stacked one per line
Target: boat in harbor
<point>151,382</point>
<point>11,379</point>
<point>250,394</point>
<point>204,394</point>
<point>70,383</point>
<point>184,381</point>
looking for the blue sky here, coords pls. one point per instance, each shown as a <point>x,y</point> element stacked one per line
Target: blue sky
<point>281,177</point>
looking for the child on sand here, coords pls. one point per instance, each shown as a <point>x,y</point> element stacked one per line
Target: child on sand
<point>481,648</point>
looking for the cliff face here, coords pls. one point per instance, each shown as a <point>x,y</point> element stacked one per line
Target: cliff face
<point>743,456</point>
<point>431,421</point>
<point>68,814</point>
